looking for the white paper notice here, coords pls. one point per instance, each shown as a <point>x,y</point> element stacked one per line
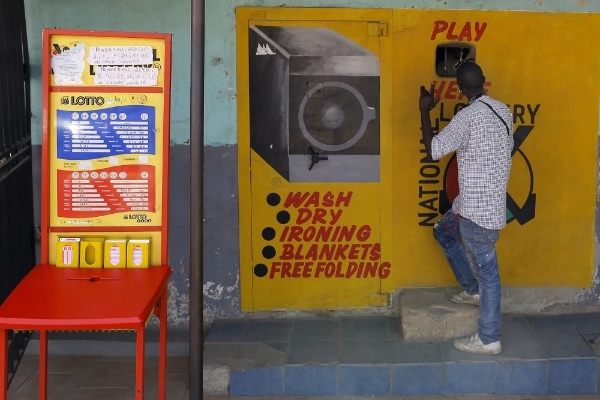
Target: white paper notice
<point>68,65</point>
<point>126,76</point>
<point>120,55</point>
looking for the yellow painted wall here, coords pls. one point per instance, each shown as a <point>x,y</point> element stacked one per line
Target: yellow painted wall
<point>543,65</point>
<point>523,58</point>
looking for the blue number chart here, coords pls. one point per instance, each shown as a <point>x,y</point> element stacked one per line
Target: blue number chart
<point>84,135</point>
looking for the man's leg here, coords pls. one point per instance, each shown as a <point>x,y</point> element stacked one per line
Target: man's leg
<point>447,233</point>
<point>481,252</point>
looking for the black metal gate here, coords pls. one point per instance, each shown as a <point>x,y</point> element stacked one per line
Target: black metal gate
<point>17,240</point>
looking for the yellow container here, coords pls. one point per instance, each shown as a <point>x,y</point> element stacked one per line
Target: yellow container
<point>67,252</point>
<point>138,253</point>
<point>115,253</point>
<point>91,253</point>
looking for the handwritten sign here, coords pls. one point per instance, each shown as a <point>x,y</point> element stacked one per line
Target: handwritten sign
<point>126,76</point>
<point>120,55</point>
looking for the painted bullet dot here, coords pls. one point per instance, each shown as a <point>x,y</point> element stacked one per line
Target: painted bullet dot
<point>268,233</point>
<point>268,252</point>
<point>260,270</point>
<point>283,217</point>
<point>273,199</point>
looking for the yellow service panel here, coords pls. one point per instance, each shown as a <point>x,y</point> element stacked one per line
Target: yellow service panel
<point>317,108</point>
<point>554,100</point>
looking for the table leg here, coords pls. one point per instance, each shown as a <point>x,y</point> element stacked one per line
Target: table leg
<point>139,363</point>
<point>162,350</point>
<point>3,364</point>
<point>43,369</point>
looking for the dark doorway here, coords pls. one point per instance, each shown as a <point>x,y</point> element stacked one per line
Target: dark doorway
<point>17,232</point>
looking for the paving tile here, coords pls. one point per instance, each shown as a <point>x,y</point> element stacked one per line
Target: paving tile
<point>519,342</point>
<point>552,324</point>
<point>175,365</point>
<point>111,373</point>
<point>364,380</point>
<point>186,395</point>
<point>395,329</point>
<point>255,355</point>
<point>60,387</point>
<point>565,346</point>
<point>26,367</point>
<point>176,385</point>
<point>267,331</point>
<point>317,352</point>
<point>575,376</point>
<point>450,354</point>
<point>469,378</point>
<point>417,379</point>
<point>311,380</point>
<point>70,364</point>
<point>415,352</point>
<point>364,329</point>
<point>218,353</point>
<point>521,377</point>
<point>586,323</point>
<point>100,394</point>
<point>257,382</point>
<point>225,331</point>
<point>365,352</point>
<point>590,336</point>
<point>316,329</point>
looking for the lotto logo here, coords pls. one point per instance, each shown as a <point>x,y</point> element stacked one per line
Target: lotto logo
<point>64,100</point>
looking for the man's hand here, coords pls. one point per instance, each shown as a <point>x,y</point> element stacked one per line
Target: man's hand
<point>427,103</point>
<point>426,100</point>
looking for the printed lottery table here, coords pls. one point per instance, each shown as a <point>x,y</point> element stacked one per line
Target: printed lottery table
<point>54,299</point>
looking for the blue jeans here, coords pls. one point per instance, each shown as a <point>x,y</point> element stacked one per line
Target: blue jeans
<point>475,266</point>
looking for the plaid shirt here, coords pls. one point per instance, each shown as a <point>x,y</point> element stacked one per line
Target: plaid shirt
<point>483,151</point>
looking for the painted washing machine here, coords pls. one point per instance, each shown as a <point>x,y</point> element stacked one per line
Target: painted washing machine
<point>314,104</point>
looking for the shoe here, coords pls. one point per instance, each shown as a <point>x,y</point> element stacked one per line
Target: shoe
<point>465,298</point>
<point>473,344</point>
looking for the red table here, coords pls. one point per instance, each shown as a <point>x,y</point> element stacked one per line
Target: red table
<point>51,298</point>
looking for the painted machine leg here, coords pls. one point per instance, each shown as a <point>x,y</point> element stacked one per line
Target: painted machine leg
<point>3,364</point>
<point>43,369</point>
<point>162,352</point>
<point>139,363</point>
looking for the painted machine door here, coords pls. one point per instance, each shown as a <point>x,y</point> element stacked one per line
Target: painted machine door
<point>315,119</point>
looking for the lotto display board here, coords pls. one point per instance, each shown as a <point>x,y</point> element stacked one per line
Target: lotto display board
<point>106,98</point>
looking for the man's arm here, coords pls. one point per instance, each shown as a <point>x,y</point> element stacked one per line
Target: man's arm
<point>427,103</point>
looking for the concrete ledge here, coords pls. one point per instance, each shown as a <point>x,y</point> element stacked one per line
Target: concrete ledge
<point>428,314</point>
<point>215,379</point>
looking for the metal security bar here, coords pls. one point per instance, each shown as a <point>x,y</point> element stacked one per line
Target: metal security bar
<point>17,240</point>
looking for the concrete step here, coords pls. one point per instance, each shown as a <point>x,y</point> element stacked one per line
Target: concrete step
<point>428,314</point>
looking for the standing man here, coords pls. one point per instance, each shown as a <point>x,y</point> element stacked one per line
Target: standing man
<point>481,135</point>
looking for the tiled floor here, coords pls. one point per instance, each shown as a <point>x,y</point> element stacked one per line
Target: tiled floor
<point>467,397</point>
<point>547,355</point>
<point>97,378</point>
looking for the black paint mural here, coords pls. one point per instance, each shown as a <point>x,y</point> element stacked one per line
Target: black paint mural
<point>314,104</point>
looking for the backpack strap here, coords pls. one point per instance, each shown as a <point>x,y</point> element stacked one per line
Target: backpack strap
<point>499,117</point>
